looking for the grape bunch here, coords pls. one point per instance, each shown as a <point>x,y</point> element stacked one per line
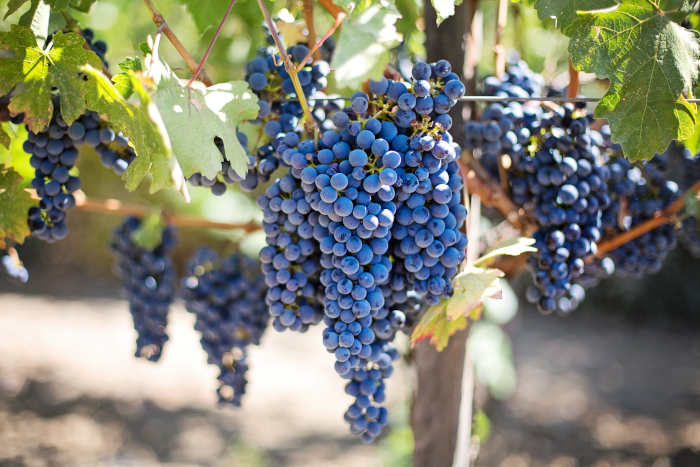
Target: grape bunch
<point>640,190</point>
<point>379,199</point>
<point>227,298</point>
<point>565,181</point>
<point>150,282</point>
<point>53,156</point>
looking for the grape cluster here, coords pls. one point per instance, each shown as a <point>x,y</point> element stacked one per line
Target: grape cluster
<point>378,199</point>
<point>640,190</point>
<point>150,282</point>
<point>54,154</point>
<point>227,298</point>
<point>99,46</point>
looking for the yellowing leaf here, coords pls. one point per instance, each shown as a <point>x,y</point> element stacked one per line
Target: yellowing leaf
<point>14,204</point>
<point>143,126</point>
<point>471,287</point>
<point>39,70</point>
<point>511,247</point>
<point>194,117</point>
<point>4,137</point>
<point>435,326</point>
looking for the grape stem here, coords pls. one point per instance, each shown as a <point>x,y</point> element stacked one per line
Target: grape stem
<point>332,8</point>
<point>72,24</point>
<point>309,122</point>
<point>211,44</point>
<point>574,81</point>
<point>158,19</point>
<point>338,22</point>
<point>119,208</point>
<point>664,216</point>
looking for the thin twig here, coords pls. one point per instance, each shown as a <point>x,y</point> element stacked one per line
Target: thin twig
<point>211,44</point>
<point>332,8</point>
<point>273,30</point>
<point>664,216</point>
<point>158,19</point>
<point>120,208</point>
<point>308,13</point>
<point>338,22</point>
<point>75,28</point>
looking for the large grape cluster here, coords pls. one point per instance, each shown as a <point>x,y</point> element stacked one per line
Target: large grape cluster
<point>227,298</point>
<point>150,282</point>
<point>379,200</point>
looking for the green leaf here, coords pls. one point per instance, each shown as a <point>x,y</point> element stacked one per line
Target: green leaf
<point>692,204</point>
<point>143,126</point>
<point>13,6</point>
<point>566,11</point>
<point>82,5</point>
<point>471,287</point>
<point>206,12</point>
<point>41,70</point>
<point>4,137</point>
<point>649,58</point>
<point>122,81</point>
<point>194,117</point>
<point>364,43</point>
<point>512,247</point>
<point>693,143</point>
<point>145,48</point>
<point>149,235</point>
<point>14,203</point>
<point>435,326</point>
<point>444,8</point>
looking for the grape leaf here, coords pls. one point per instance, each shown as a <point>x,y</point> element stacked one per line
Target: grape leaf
<point>82,5</point>
<point>122,81</point>
<point>435,326</point>
<point>4,137</point>
<point>206,12</point>
<point>444,8</point>
<point>41,70</point>
<point>194,117</point>
<point>566,11</point>
<point>364,43</point>
<point>512,247</point>
<point>149,235</point>
<point>143,126</point>
<point>693,143</point>
<point>471,287</point>
<point>650,59</point>
<point>14,204</point>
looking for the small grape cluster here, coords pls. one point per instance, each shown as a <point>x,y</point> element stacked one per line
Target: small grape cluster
<point>227,298</point>
<point>150,282</point>
<point>54,154</point>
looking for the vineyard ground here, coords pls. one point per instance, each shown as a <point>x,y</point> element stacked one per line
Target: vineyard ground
<point>594,390</point>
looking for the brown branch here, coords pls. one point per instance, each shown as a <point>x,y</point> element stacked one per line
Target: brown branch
<point>332,8</point>
<point>116,207</point>
<point>574,81</point>
<point>338,22</point>
<point>664,216</point>
<point>480,182</point>
<point>499,49</point>
<point>159,20</point>
<point>308,13</point>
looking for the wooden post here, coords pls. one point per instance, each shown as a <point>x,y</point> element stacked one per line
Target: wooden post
<point>435,411</point>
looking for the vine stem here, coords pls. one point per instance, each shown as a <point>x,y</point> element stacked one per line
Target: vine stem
<point>75,28</point>
<point>120,208</point>
<point>664,216</point>
<point>308,13</point>
<point>158,19</point>
<point>211,44</point>
<point>574,81</point>
<point>309,122</point>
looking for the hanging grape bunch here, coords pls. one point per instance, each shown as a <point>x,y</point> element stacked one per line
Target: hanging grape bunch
<point>150,282</point>
<point>227,298</point>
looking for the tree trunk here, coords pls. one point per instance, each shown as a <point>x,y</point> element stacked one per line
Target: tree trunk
<point>435,413</point>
